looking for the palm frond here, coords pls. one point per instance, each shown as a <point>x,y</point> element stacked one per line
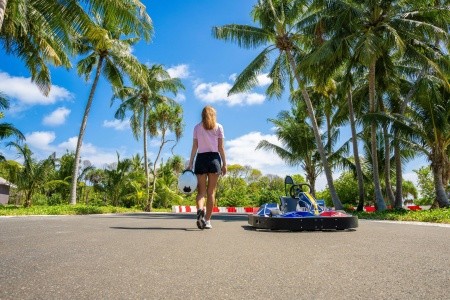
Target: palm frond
<point>248,77</point>
<point>245,36</point>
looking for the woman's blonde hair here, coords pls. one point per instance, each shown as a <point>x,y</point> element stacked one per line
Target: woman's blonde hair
<point>209,117</point>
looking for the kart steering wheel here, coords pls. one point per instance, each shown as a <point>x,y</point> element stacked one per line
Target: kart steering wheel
<point>297,188</point>
<point>294,190</point>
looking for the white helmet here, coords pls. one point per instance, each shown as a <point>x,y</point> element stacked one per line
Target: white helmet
<point>187,182</point>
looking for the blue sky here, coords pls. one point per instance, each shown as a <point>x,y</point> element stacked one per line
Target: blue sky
<point>183,43</point>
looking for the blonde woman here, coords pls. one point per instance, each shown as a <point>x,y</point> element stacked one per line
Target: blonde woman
<point>210,163</point>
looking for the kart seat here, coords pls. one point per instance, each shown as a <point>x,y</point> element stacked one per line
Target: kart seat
<point>288,204</point>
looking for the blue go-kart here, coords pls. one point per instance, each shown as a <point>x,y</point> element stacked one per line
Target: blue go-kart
<point>299,211</point>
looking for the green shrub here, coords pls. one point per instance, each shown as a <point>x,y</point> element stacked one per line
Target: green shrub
<point>55,199</point>
<point>39,199</point>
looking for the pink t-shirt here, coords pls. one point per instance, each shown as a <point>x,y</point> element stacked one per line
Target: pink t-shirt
<point>208,140</point>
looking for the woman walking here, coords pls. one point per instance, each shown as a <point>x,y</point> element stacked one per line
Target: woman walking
<point>210,163</point>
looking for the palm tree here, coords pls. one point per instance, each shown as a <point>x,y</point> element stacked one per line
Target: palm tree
<point>365,31</point>
<point>346,113</point>
<point>40,32</point>
<point>117,180</point>
<point>3,4</point>
<point>427,128</point>
<point>278,20</point>
<point>141,99</point>
<point>6,129</point>
<point>164,118</point>
<point>111,56</point>
<point>299,146</point>
<point>33,174</point>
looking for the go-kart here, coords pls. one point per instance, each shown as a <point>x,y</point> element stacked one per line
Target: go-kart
<point>299,211</point>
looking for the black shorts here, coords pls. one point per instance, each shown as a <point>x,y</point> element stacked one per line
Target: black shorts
<point>208,162</point>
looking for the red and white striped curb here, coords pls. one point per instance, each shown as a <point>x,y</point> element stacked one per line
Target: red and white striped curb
<point>251,210</point>
<point>409,207</point>
<point>241,210</point>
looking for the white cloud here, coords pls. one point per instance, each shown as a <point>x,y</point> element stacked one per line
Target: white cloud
<point>242,151</point>
<point>233,77</point>
<point>411,176</point>
<point>41,140</point>
<point>27,93</point>
<point>57,117</point>
<point>180,97</point>
<point>117,124</point>
<point>42,143</point>
<point>180,71</point>
<point>217,92</point>
<point>264,79</point>
<point>97,156</point>
<point>70,144</point>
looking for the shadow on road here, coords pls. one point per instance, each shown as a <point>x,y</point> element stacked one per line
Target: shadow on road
<point>155,228</point>
<point>183,216</point>
<point>172,216</point>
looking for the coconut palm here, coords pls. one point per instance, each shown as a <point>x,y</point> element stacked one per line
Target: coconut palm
<point>427,128</point>
<point>162,120</point>
<point>278,20</point>
<point>3,4</point>
<point>33,174</point>
<point>40,32</point>
<point>298,143</point>
<point>141,99</point>
<point>374,29</point>
<point>111,56</point>
<point>6,129</point>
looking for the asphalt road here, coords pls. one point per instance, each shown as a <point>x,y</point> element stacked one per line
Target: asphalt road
<point>164,256</point>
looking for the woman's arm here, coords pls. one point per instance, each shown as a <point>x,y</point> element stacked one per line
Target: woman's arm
<point>222,156</point>
<point>193,153</point>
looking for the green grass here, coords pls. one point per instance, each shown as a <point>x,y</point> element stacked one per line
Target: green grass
<point>433,215</point>
<point>79,209</point>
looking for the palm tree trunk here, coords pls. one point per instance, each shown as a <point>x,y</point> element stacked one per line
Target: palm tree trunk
<point>313,186</point>
<point>441,196</point>
<point>334,196</point>
<point>398,172</point>
<point>311,178</point>
<point>150,205</point>
<point>397,152</point>
<point>73,191</point>
<point>27,199</point>
<point>329,149</point>
<point>381,205</point>
<point>387,166</point>
<point>147,175</point>
<point>359,174</point>
<point>3,4</point>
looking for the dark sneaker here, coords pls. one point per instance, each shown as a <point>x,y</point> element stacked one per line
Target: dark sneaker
<point>201,219</point>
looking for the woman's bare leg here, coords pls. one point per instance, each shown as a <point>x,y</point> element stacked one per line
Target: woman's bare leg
<point>211,194</point>
<point>201,191</point>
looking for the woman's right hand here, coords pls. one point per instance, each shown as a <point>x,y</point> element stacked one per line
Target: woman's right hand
<point>224,170</point>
